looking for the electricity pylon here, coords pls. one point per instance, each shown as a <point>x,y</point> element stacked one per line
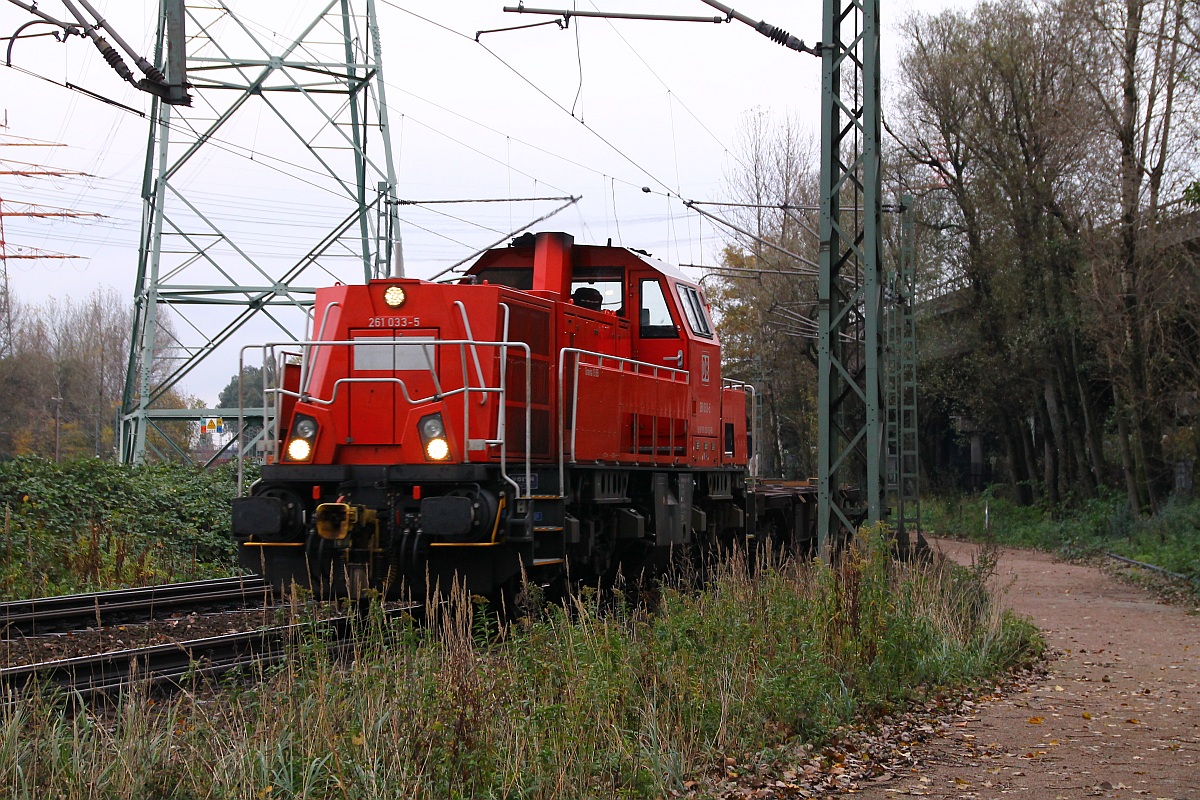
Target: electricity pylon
<point>851,448</point>
<point>280,115</point>
<point>903,463</point>
<point>23,210</point>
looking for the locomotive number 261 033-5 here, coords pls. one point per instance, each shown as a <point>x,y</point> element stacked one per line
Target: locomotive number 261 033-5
<point>393,322</point>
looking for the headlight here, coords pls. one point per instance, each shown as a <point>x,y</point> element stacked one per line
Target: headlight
<point>432,427</point>
<point>433,437</point>
<point>395,296</point>
<point>437,450</point>
<point>303,435</point>
<point>299,449</point>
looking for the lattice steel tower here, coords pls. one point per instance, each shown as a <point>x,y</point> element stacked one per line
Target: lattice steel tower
<point>278,179</point>
<point>851,446</point>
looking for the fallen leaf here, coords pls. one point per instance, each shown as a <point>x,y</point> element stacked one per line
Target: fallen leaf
<point>1035,720</point>
<point>1086,715</point>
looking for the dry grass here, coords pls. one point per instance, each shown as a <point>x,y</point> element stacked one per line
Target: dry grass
<point>594,699</point>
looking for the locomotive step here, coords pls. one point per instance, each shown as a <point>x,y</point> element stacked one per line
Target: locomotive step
<point>547,528</point>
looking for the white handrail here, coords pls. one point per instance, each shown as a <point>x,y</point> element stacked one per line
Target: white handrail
<point>502,415</point>
<point>601,358</point>
<point>748,388</point>
<point>462,309</point>
<point>306,361</point>
<point>312,346</point>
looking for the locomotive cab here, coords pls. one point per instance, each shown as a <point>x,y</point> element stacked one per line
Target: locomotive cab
<point>558,405</point>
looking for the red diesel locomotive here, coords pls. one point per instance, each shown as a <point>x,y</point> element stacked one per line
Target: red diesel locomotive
<point>558,408</point>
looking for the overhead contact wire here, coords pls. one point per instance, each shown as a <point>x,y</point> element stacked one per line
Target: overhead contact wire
<point>540,91</point>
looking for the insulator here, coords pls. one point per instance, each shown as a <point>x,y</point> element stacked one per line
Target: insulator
<point>777,34</point>
<point>155,74</point>
<point>774,33</point>
<point>114,59</point>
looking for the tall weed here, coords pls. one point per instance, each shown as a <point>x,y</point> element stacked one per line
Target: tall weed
<point>580,700</point>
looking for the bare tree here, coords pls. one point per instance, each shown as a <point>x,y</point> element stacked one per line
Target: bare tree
<point>1140,54</point>
<point>994,112</point>
<point>63,379</point>
<point>765,297</point>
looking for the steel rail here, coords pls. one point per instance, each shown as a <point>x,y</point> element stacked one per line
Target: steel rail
<point>152,665</point>
<point>173,663</point>
<point>1195,579</point>
<point>46,614</point>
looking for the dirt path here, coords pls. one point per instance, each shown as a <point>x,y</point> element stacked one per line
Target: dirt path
<point>1118,715</point>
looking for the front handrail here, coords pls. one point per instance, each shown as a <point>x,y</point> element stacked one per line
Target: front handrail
<point>303,394</point>
<point>655,369</point>
<point>309,355</point>
<point>462,310</point>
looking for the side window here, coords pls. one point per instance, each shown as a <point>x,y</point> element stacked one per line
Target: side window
<point>599,295</point>
<point>654,321</point>
<point>693,307</point>
<point>513,277</point>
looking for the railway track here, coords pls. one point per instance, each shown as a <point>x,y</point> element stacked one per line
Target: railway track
<point>175,662</point>
<point>52,614</point>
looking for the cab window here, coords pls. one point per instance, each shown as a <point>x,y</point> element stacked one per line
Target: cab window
<point>599,294</point>
<point>513,277</point>
<point>693,308</point>
<point>655,320</point>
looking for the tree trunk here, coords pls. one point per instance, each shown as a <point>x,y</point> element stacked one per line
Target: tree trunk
<point>1087,403</point>
<point>1029,453</point>
<point>1132,487</point>
<point>1049,455</point>
<point>1058,427</point>
<point>1075,415</point>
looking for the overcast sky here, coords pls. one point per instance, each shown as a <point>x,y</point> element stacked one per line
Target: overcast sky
<point>654,104</point>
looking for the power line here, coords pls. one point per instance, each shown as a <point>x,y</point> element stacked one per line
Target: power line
<point>498,132</point>
<point>815,267</point>
<point>539,90</point>
<point>27,210</point>
<point>670,93</point>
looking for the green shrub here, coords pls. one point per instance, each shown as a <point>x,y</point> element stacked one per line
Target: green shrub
<point>1169,539</point>
<point>89,524</point>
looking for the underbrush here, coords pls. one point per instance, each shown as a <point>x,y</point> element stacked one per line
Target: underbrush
<point>1170,539</point>
<point>88,524</point>
<point>587,700</point>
